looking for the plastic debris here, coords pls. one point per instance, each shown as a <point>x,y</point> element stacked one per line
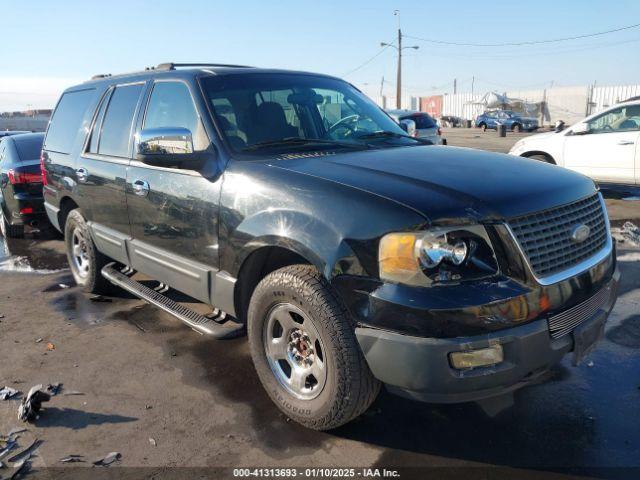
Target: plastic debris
<point>7,392</point>
<point>72,392</point>
<point>25,453</point>
<point>72,459</point>
<point>20,468</point>
<point>38,340</point>
<point>108,460</point>
<point>631,233</point>
<point>153,442</point>
<point>50,346</point>
<point>99,298</point>
<point>53,389</point>
<point>63,285</point>
<point>10,444</point>
<point>32,403</point>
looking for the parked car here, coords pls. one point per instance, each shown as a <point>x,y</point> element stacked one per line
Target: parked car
<point>426,127</point>
<point>354,255</point>
<point>8,133</point>
<point>452,121</point>
<point>514,121</point>
<point>604,146</point>
<point>20,183</point>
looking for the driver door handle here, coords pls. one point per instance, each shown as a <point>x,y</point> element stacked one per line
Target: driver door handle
<point>141,188</point>
<point>626,142</point>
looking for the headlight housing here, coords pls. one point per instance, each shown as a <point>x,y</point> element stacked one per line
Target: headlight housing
<point>437,256</point>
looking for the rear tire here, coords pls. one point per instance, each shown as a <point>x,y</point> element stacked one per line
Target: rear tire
<point>517,128</point>
<point>305,351</point>
<point>483,127</point>
<point>541,158</point>
<point>11,231</point>
<point>85,261</point>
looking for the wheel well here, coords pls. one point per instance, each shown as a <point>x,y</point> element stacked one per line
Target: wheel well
<point>549,158</point>
<point>258,265</point>
<point>66,205</point>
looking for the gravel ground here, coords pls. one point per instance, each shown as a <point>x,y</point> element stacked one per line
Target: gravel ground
<point>146,376</point>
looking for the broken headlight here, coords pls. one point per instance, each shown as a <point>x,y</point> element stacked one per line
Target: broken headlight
<point>437,256</point>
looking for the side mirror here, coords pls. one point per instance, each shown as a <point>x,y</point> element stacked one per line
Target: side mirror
<point>580,129</point>
<point>408,126</point>
<point>165,146</point>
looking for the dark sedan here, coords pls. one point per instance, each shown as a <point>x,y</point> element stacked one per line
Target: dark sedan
<point>20,183</point>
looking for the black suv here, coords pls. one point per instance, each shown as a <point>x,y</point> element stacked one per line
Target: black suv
<point>354,255</point>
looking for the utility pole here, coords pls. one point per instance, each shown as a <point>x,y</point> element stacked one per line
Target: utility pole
<point>473,81</point>
<point>455,86</point>
<point>399,48</point>
<point>399,79</point>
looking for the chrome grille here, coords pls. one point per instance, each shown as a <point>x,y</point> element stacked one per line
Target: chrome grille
<point>545,237</point>
<point>565,322</point>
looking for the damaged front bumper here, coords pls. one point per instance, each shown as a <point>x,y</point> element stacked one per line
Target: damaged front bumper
<point>420,367</point>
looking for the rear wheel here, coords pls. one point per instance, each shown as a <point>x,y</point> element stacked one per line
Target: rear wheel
<point>11,231</point>
<point>305,351</point>
<point>483,127</point>
<point>85,260</point>
<point>541,158</point>
<point>517,128</point>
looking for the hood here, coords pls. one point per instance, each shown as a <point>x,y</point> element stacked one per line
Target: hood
<point>449,184</point>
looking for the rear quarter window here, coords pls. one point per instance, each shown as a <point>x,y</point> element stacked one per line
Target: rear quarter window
<point>67,119</point>
<point>423,121</point>
<point>28,148</point>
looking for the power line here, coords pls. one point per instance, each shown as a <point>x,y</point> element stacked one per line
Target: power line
<point>367,62</point>
<point>530,42</point>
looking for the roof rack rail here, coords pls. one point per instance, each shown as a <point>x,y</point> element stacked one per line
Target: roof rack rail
<point>173,66</point>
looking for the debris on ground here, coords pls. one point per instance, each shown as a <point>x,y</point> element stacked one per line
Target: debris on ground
<point>26,453</point>
<point>153,442</point>
<point>53,389</point>
<point>108,460</point>
<point>20,468</point>
<point>32,403</point>
<point>7,392</point>
<point>15,431</point>
<point>72,392</point>
<point>149,407</point>
<point>99,298</point>
<point>72,459</point>
<point>9,445</point>
<point>139,327</point>
<point>63,285</point>
<point>38,340</point>
<point>631,233</point>
<point>50,346</point>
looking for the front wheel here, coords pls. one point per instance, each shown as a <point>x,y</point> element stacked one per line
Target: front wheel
<point>305,351</point>
<point>85,260</point>
<point>517,128</point>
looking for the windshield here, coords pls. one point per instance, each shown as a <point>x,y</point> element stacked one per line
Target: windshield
<point>263,113</point>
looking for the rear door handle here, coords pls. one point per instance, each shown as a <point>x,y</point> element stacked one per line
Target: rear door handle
<point>140,187</point>
<point>626,142</point>
<point>82,174</point>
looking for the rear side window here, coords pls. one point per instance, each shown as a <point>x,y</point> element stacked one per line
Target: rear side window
<point>67,119</point>
<point>423,121</point>
<point>116,126</point>
<point>28,148</point>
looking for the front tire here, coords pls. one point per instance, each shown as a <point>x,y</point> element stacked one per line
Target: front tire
<point>541,158</point>
<point>85,260</point>
<point>517,128</point>
<point>305,351</point>
<point>483,127</point>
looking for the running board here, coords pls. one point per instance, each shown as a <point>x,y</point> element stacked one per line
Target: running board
<point>200,323</point>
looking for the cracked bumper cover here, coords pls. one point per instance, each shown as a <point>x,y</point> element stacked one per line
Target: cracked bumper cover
<point>419,368</point>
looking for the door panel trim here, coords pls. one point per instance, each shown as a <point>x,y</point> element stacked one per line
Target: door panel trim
<point>110,242</point>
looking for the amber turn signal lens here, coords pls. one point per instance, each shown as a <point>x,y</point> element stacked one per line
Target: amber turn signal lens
<point>397,258</point>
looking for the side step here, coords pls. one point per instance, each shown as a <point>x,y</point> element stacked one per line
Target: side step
<point>199,323</point>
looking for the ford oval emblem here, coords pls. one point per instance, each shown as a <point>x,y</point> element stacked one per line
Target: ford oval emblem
<point>580,233</point>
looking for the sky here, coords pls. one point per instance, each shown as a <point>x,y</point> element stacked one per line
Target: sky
<point>46,46</point>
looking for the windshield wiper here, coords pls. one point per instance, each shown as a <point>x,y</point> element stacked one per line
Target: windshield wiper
<point>387,134</point>
<point>299,141</point>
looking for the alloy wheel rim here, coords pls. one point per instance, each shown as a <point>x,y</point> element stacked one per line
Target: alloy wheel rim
<point>79,253</point>
<point>295,351</point>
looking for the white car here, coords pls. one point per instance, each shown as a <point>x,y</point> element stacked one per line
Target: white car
<point>604,146</point>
